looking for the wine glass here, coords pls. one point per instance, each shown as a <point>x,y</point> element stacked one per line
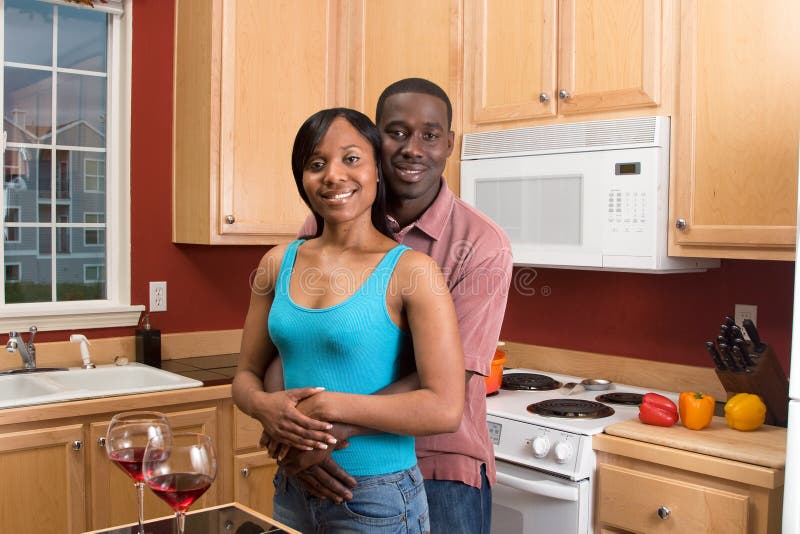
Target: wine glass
<point>179,469</point>
<point>126,440</point>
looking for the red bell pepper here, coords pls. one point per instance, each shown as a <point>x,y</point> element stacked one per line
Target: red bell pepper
<point>657,410</point>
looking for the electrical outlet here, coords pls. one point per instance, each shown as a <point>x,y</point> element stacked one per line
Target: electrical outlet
<point>158,296</point>
<point>745,311</point>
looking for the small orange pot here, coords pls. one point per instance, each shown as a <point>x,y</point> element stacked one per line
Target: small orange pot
<point>495,377</point>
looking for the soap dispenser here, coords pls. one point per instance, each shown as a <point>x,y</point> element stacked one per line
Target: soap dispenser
<point>148,344</point>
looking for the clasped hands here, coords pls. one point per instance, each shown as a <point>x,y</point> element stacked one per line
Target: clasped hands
<point>302,445</point>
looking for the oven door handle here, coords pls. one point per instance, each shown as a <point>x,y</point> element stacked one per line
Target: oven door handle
<point>545,488</point>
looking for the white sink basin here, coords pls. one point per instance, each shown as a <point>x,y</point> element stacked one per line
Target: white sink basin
<point>73,384</point>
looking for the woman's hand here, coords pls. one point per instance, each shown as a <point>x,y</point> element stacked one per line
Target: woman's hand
<point>284,423</point>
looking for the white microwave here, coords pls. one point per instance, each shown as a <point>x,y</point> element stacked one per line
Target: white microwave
<point>585,195</point>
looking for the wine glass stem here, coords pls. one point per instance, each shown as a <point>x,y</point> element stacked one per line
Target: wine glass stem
<point>140,504</point>
<point>180,517</point>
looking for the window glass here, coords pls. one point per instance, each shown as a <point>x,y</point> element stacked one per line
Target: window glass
<point>28,32</point>
<point>27,104</point>
<point>82,36</point>
<point>54,175</point>
<point>23,258</point>
<point>80,278</point>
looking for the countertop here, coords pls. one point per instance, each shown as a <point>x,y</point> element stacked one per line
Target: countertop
<point>765,446</point>
<point>233,518</point>
<point>210,370</point>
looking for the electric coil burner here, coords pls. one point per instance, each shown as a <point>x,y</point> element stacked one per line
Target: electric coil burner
<point>529,382</point>
<point>571,408</point>
<point>628,399</point>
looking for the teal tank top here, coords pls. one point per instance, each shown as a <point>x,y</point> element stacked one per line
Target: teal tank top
<point>352,347</point>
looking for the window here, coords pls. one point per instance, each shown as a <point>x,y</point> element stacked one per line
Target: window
<point>93,273</point>
<point>94,176</point>
<point>65,108</point>
<point>12,232</point>
<point>13,272</point>
<point>94,236</point>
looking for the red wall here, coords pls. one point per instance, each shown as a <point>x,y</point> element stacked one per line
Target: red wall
<point>657,317</point>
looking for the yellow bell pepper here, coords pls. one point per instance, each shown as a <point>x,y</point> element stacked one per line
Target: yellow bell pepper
<point>696,409</point>
<point>745,411</point>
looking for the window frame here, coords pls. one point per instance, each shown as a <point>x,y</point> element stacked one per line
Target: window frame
<point>115,309</point>
<point>97,177</point>
<point>19,272</point>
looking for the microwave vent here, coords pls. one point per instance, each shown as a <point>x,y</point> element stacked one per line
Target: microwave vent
<point>640,132</point>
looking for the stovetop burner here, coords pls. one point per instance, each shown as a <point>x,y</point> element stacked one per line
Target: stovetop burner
<point>529,382</point>
<point>571,408</point>
<point>628,399</point>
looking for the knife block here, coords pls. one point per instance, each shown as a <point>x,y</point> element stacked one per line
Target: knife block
<point>765,379</point>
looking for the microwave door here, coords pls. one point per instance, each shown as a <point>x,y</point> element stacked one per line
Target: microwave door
<point>548,205</point>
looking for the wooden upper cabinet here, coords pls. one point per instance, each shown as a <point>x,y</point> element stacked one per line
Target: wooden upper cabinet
<point>247,74</point>
<point>389,40</point>
<point>735,182</point>
<point>536,59</point>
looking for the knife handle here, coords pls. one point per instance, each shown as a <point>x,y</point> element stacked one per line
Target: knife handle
<point>727,358</point>
<point>712,350</point>
<point>737,355</point>
<point>729,321</point>
<point>752,332</point>
<point>744,347</point>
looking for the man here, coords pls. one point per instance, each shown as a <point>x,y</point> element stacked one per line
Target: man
<point>414,117</point>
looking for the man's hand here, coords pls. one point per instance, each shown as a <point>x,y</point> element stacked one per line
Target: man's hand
<point>316,470</point>
<point>327,480</point>
<point>284,423</point>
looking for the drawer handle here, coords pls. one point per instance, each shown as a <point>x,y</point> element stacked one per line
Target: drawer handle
<point>101,441</point>
<point>245,472</point>
<point>663,512</point>
<point>77,445</point>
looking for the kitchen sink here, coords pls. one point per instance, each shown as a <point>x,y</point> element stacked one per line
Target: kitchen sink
<point>27,389</point>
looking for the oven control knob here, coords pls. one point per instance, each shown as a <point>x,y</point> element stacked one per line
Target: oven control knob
<point>540,446</point>
<point>563,452</point>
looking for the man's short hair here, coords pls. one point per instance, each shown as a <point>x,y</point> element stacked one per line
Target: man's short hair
<point>414,85</point>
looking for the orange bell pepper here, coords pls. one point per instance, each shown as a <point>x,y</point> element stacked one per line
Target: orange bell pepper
<point>696,409</point>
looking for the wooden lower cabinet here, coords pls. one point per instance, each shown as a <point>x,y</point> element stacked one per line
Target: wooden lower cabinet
<point>253,469</point>
<point>252,480</point>
<point>112,494</point>
<point>668,491</point>
<point>42,487</point>
<point>56,476</point>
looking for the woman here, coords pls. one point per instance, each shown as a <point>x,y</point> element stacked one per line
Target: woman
<point>348,310</point>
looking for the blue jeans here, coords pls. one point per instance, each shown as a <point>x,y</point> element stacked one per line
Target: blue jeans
<point>458,507</point>
<point>392,503</point>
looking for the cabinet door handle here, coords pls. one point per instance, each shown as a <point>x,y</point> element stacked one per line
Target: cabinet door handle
<point>563,94</point>
<point>76,445</point>
<point>245,472</point>
<point>101,441</point>
<point>663,512</point>
<point>544,98</point>
<point>230,219</point>
<point>680,224</point>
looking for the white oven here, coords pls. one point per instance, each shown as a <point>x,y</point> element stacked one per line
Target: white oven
<point>534,502</point>
<point>545,462</point>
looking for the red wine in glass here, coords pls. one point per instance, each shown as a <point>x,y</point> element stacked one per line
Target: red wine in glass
<point>179,468</point>
<point>130,461</point>
<point>125,442</point>
<point>180,490</point>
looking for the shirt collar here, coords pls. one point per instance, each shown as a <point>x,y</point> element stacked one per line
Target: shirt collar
<point>434,219</point>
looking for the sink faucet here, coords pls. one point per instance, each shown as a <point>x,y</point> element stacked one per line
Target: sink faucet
<point>27,351</point>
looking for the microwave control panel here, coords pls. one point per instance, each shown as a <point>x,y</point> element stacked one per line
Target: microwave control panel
<point>627,210</point>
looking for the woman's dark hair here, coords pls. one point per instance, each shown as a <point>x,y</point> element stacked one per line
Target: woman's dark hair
<point>309,137</point>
